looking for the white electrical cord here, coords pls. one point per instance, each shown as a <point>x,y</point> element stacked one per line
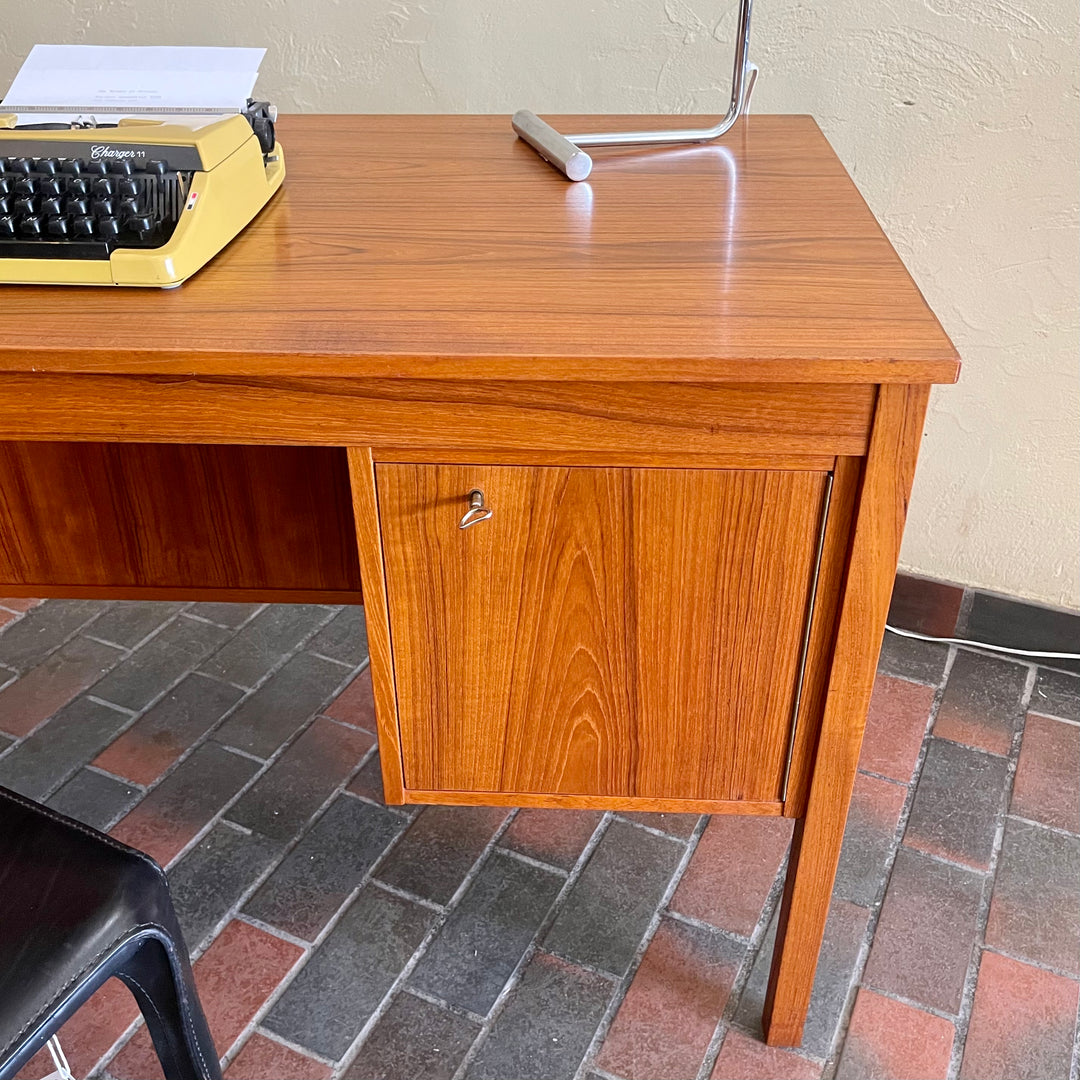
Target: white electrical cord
<point>983,645</point>
<point>63,1069</point>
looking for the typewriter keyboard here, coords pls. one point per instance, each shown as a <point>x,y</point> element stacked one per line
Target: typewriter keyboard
<point>72,208</point>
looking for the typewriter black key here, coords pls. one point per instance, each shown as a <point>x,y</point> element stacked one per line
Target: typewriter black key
<point>49,187</point>
<point>103,188</point>
<point>73,166</point>
<point>20,165</point>
<point>25,187</point>
<point>94,168</point>
<point>46,166</point>
<point>142,224</point>
<point>78,187</point>
<point>77,206</point>
<point>155,168</point>
<point>58,226</point>
<point>82,227</point>
<point>24,205</point>
<point>5,186</point>
<point>123,167</point>
<point>108,228</point>
<point>5,204</point>
<point>128,208</point>
<point>31,226</point>
<point>127,189</point>
<point>7,225</point>
<point>50,205</point>
<point>103,207</point>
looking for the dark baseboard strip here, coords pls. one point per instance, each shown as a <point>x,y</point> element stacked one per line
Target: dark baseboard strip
<point>945,610</point>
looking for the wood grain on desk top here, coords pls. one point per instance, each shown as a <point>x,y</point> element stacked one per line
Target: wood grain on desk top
<point>441,246</point>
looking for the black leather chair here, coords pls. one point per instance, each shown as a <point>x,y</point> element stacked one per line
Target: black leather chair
<point>76,908</point>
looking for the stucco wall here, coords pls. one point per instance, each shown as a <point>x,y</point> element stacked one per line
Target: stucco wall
<point>958,120</point>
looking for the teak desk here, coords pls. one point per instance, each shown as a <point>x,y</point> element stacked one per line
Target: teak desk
<point>691,393</point>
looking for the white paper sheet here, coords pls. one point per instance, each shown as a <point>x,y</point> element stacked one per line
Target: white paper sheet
<point>132,80</point>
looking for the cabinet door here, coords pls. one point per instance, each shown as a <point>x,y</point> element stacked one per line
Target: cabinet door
<point>608,631</point>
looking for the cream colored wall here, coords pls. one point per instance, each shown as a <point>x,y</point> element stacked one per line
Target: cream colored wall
<point>957,119</point>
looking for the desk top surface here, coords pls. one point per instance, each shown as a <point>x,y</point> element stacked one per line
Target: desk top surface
<point>443,247</point>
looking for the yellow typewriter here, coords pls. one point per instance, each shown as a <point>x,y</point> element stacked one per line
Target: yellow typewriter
<point>140,202</point>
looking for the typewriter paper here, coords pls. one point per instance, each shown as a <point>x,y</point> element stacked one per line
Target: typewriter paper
<point>69,80</point>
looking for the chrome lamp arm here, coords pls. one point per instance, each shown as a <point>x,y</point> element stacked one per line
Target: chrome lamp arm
<point>565,153</point>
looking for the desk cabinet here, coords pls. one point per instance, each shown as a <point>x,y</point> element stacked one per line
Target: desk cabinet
<point>627,632</point>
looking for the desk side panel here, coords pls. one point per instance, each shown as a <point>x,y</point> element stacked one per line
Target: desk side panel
<point>847,475</point>
<point>139,519</point>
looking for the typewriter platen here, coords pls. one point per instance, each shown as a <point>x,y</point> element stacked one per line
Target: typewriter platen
<point>140,202</point>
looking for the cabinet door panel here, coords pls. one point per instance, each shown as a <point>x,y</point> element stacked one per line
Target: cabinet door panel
<point>618,632</point>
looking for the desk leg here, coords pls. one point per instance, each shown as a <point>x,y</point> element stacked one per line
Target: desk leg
<point>875,549</point>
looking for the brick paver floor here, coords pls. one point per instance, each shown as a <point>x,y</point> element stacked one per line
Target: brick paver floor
<point>336,937</point>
